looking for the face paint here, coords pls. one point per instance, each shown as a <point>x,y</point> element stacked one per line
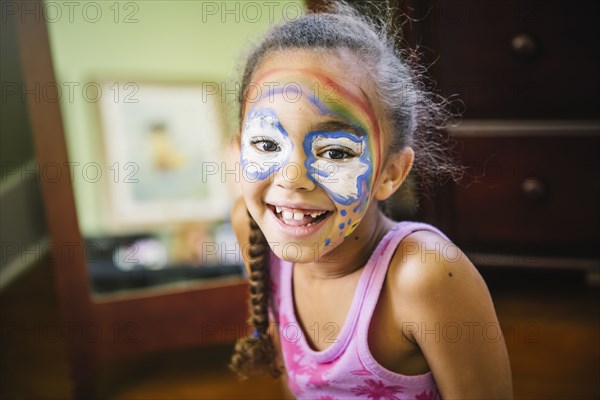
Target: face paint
<point>336,136</point>
<point>339,162</point>
<point>329,98</point>
<point>266,146</point>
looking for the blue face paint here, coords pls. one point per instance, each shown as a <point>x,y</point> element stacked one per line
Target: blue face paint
<point>347,179</point>
<point>266,145</point>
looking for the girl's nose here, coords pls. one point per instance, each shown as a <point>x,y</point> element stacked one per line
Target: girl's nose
<point>293,175</point>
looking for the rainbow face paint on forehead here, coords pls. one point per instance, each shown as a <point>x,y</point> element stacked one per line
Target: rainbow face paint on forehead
<point>326,95</point>
<point>266,146</point>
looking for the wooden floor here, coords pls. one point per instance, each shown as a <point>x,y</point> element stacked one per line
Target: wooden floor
<point>550,322</point>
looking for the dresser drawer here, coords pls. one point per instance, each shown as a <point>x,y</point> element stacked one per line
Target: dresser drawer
<point>514,58</point>
<point>527,187</point>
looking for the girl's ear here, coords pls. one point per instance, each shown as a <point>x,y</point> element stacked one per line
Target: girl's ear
<point>394,172</point>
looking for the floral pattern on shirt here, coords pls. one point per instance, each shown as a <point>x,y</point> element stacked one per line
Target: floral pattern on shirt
<point>298,368</point>
<point>377,390</point>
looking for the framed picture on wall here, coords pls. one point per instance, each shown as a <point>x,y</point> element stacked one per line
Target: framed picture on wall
<point>163,150</point>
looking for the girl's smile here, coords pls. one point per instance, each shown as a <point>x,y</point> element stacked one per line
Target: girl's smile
<point>298,222</point>
<point>298,215</point>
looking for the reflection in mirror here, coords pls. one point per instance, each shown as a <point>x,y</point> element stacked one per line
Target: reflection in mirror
<point>146,93</point>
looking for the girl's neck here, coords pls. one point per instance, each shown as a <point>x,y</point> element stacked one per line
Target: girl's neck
<point>354,252</point>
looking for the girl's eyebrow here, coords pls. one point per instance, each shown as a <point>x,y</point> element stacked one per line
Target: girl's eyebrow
<point>336,125</point>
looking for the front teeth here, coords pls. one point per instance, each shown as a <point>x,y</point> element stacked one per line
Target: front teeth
<point>298,216</point>
<point>287,214</point>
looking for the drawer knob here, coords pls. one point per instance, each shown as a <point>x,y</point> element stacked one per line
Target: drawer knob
<point>525,45</point>
<point>534,190</point>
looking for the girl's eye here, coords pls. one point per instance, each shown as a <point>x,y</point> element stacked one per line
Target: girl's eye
<point>266,145</point>
<point>336,154</point>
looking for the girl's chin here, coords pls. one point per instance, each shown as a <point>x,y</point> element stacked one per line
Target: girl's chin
<point>302,251</point>
<point>298,254</point>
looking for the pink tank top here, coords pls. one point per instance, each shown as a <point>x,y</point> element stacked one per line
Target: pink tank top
<point>346,369</point>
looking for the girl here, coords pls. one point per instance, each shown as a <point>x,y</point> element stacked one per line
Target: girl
<point>332,121</point>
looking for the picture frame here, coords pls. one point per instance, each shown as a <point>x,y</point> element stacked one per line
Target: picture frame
<point>160,139</point>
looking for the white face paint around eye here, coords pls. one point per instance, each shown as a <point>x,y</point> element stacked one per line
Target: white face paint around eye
<point>342,179</point>
<point>345,179</point>
<point>262,129</point>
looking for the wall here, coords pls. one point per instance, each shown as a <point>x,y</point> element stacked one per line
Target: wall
<point>138,41</point>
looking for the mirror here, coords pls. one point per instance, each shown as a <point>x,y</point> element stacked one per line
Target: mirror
<point>147,94</point>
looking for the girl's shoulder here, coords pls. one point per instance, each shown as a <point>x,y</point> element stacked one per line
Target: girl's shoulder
<point>440,303</point>
<point>432,274</point>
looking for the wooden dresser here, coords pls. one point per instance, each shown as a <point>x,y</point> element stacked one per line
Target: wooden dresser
<point>527,73</point>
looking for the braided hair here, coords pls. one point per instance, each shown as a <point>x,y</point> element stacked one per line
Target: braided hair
<point>257,353</point>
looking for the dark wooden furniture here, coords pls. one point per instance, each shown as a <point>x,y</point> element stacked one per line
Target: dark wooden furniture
<point>100,331</point>
<point>531,189</point>
<point>527,72</point>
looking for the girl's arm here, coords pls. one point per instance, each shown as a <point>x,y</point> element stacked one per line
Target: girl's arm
<point>444,307</point>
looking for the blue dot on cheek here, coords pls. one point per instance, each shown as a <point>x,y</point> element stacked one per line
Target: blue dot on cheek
<point>349,222</point>
<point>355,209</point>
<point>343,213</point>
<point>342,225</point>
<point>327,241</point>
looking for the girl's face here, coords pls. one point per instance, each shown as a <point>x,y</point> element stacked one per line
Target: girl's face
<point>311,152</point>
